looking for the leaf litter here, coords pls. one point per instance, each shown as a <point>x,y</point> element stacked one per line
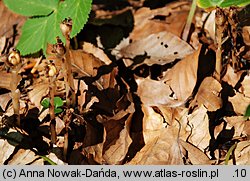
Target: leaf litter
<point>144,96</point>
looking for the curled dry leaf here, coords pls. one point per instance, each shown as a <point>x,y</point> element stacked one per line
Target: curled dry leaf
<point>161,48</point>
<point>208,94</point>
<point>147,21</point>
<point>153,93</point>
<point>163,149</point>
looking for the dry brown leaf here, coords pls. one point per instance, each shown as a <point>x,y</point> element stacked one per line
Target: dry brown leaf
<point>147,23</point>
<point>196,156</point>
<point>182,77</point>
<point>5,98</point>
<point>246,34</point>
<point>8,20</point>
<point>152,122</point>
<point>117,152</point>
<point>6,82</point>
<point>238,122</point>
<point>231,77</point>
<point>97,52</point>
<point>239,103</point>
<point>161,150</point>
<point>208,94</point>
<point>38,92</point>
<point>6,150</point>
<point>242,153</point>
<point>245,86</point>
<point>197,128</point>
<point>153,93</point>
<point>162,48</point>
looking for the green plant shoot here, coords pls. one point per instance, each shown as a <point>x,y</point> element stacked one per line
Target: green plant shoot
<point>221,3</point>
<point>58,103</point>
<point>44,18</point>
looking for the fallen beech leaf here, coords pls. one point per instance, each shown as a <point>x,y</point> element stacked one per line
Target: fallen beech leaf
<point>242,153</point>
<point>198,128</point>
<point>22,157</point>
<point>245,86</point>
<point>146,21</point>
<point>5,98</point>
<point>208,94</point>
<point>118,150</point>
<point>183,76</point>
<point>8,20</point>
<point>161,150</point>
<point>152,122</point>
<point>238,122</point>
<point>196,156</point>
<point>231,77</point>
<point>37,93</point>
<point>6,150</point>
<point>153,93</point>
<point>161,48</point>
<point>97,52</point>
<point>239,103</point>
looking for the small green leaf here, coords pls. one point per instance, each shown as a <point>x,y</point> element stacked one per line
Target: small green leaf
<point>78,11</point>
<point>221,3</point>
<point>45,103</point>
<point>58,102</point>
<point>32,7</point>
<point>58,110</point>
<point>247,114</point>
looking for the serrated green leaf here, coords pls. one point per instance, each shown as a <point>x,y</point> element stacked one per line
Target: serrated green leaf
<point>221,3</point>
<point>45,103</point>
<point>37,32</point>
<point>247,114</point>
<point>32,7</point>
<point>58,102</point>
<point>78,11</point>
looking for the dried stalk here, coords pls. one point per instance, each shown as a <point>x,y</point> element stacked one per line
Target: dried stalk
<point>66,27</point>
<point>14,61</point>
<point>51,73</point>
<point>67,119</point>
<point>189,21</point>
<point>221,29</point>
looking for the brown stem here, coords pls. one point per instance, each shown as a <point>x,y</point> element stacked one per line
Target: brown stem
<point>221,27</point>
<point>67,119</point>
<point>51,73</point>
<point>14,61</point>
